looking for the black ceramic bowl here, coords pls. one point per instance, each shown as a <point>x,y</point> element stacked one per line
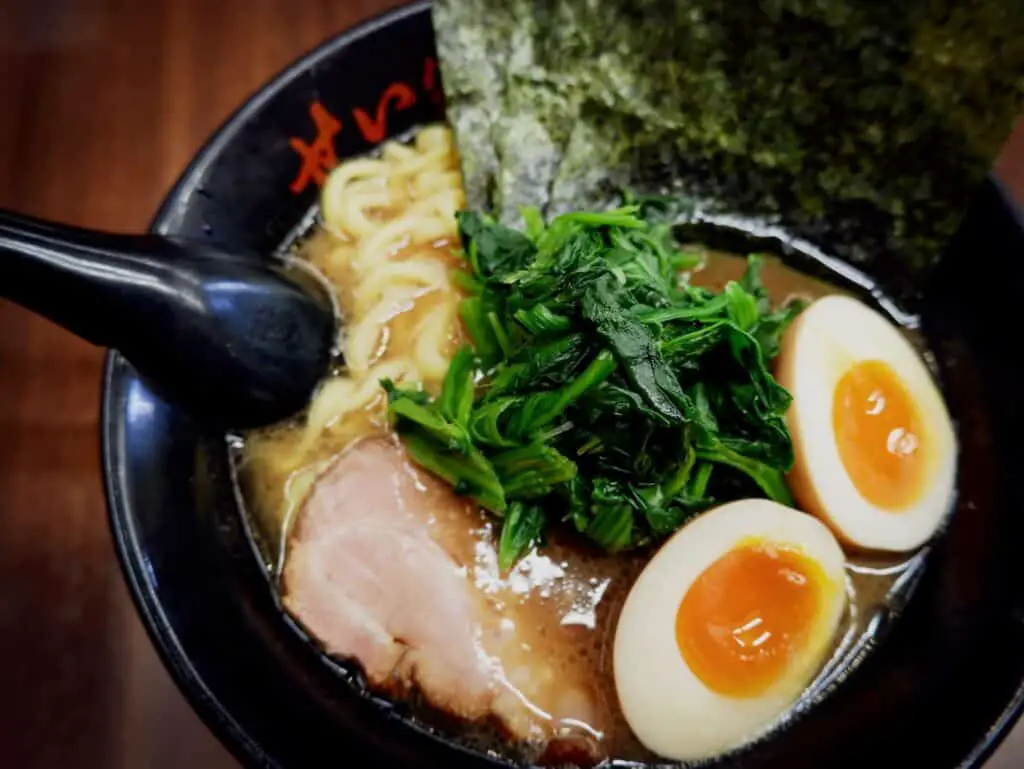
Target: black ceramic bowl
<point>939,693</point>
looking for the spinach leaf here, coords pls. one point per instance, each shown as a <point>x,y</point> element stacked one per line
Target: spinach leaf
<point>456,401</point>
<point>494,250</point>
<point>532,471</point>
<point>636,349</point>
<point>611,522</point>
<point>522,528</point>
<point>469,474</point>
<point>408,406</point>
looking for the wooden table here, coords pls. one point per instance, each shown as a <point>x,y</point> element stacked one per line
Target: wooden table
<point>102,102</point>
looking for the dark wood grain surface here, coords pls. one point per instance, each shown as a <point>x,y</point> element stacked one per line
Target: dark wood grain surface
<point>102,102</point>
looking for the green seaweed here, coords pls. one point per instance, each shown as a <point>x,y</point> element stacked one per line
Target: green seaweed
<point>862,127</point>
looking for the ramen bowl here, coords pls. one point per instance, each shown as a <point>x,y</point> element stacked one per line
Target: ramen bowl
<point>940,691</point>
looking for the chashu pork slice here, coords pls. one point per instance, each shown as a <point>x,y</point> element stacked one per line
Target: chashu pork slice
<point>378,569</point>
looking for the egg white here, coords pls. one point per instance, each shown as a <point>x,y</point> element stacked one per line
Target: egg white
<point>667,706</point>
<point>828,338</point>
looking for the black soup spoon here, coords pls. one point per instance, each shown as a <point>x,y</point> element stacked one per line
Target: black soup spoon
<point>239,340</point>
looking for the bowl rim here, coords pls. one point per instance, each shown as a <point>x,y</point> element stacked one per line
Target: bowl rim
<point>120,511</point>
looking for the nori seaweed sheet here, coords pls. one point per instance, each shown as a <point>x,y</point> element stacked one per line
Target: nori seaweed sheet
<point>863,127</point>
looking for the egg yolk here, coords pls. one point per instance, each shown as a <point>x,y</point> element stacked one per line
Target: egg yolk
<point>878,434</point>
<point>745,617</point>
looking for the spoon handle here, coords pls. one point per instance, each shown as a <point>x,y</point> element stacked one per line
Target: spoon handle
<point>85,281</point>
<point>232,337</point>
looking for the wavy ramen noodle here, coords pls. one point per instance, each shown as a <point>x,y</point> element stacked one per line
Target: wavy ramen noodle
<point>386,243</point>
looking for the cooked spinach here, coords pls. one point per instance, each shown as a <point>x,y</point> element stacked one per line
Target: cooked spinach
<point>601,390</point>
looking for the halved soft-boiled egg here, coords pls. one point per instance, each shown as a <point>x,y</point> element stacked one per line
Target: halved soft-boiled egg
<point>875,450</point>
<point>726,626</point>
